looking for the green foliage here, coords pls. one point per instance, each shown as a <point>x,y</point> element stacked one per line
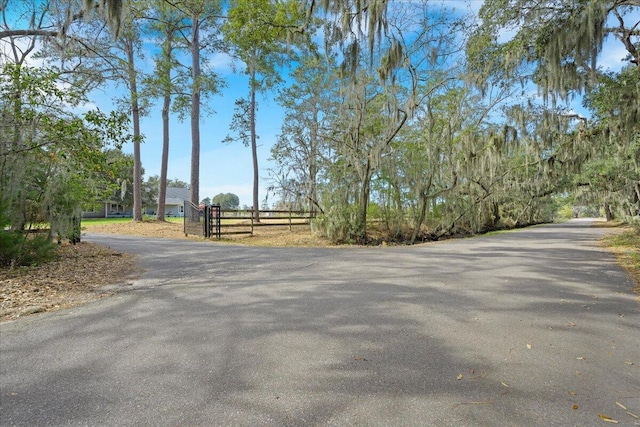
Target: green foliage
<point>226,201</point>
<point>612,173</point>
<point>51,160</point>
<point>21,249</point>
<point>561,40</point>
<point>258,32</point>
<point>340,224</point>
<point>565,212</point>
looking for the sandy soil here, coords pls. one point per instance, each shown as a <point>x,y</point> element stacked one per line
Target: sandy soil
<point>300,235</point>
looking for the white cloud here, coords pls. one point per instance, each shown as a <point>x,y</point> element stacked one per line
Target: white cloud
<point>613,53</point>
<point>86,106</point>
<point>220,62</point>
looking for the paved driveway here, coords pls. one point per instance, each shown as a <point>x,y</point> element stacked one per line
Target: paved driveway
<point>533,327</point>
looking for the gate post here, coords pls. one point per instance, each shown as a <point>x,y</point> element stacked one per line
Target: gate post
<point>206,221</point>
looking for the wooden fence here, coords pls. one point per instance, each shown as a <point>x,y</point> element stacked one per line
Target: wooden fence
<point>243,221</point>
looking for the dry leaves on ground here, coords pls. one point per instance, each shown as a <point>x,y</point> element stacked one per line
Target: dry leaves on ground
<point>75,277</point>
<point>300,235</point>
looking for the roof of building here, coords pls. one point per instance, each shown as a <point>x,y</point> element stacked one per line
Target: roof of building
<point>177,195</point>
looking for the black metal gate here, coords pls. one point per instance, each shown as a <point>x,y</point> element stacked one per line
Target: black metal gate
<point>212,221</point>
<point>202,220</point>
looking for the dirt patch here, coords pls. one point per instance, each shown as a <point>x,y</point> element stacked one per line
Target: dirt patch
<point>170,230</point>
<point>75,277</point>
<point>300,235</point>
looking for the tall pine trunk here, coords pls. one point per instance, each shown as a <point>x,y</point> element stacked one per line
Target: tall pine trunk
<point>195,114</point>
<point>166,104</point>
<point>135,118</point>
<point>254,146</point>
<point>162,191</point>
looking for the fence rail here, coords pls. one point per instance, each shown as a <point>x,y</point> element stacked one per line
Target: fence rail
<point>211,221</point>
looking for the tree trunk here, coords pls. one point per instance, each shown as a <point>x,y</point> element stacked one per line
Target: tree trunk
<point>135,118</point>
<point>195,113</point>
<point>254,147</point>
<point>423,202</point>
<point>162,190</point>
<point>608,212</point>
<point>313,167</point>
<point>365,192</point>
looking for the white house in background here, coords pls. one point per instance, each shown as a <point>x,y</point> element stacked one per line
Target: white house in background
<point>174,201</point>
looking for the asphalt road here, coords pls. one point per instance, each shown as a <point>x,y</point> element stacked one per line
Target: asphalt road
<point>527,328</point>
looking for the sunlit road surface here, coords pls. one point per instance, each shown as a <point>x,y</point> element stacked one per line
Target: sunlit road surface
<point>526,328</point>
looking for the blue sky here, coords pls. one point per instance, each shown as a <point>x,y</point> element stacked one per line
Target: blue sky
<point>224,168</point>
<point>227,168</point>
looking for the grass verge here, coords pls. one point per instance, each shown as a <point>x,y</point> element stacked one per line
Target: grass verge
<point>626,246</point>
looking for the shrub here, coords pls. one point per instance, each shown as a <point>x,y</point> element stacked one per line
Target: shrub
<point>340,224</point>
<point>566,212</point>
<point>18,249</point>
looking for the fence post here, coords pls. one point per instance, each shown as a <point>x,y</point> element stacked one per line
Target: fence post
<point>205,223</point>
<point>185,208</point>
<point>252,221</point>
<point>289,218</point>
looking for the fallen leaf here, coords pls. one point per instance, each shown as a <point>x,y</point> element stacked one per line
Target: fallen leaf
<point>581,358</point>
<point>621,405</point>
<point>504,384</point>
<point>575,407</point>
<point>607,419</point>
<point>459,377</point>
<point>572,393</point>
<point>633,415</point>
<point>529,346</point>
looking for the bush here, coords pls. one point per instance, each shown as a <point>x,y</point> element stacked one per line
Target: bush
<point>340,224</point>
<point>566,212</point>
<point>18,249</point>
